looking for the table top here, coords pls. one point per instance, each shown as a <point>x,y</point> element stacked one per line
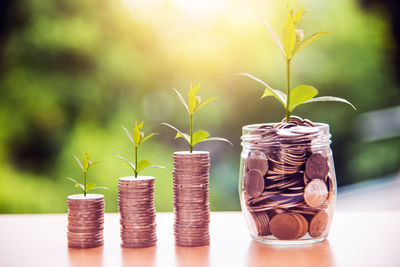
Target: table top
<point>356,239</point>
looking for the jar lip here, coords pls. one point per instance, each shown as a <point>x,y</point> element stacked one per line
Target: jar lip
<point>251,127</point>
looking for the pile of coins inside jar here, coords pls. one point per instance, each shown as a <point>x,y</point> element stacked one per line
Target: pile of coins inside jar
<point>85,221</point>
<point>288,181</point>
<point>191,198</point>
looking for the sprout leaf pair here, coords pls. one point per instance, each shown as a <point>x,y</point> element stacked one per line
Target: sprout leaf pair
<point>192,105</point>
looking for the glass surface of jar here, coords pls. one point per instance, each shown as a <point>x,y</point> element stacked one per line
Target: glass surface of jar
<point>287,181</point>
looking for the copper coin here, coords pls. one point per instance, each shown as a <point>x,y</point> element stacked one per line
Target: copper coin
<point>284,226</point>
<point>318,224</point>
<point>315,193</point>
<point>254,183</point>
<point>317,166</point>
<point>257,160</point>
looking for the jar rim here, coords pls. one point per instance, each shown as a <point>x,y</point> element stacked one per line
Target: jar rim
<point>250,127</point>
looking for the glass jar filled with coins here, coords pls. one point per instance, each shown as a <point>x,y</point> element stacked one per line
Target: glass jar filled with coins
<point>287,182</point>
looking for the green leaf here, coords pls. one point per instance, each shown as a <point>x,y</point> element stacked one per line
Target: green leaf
<point>330,98</point>
<point>205,103</point>
<point>301,94</point>
<point>91,165</point>
<point>90,185</point>
<point>155,166</point>
<point>308,41</point>
<point>128,134</point>
<point>77,184</point>
<point>181,134</point>
<point>192,101</point>
<point>217,139</point>
<point>289,36</point>
<point>79,162</point>
<point>269,90</point>
<point>99,187</point>
<point>142,165</point>
<point>126,161</point>
<point>149,136</point>
<point>86,162</point>
<point>199,136</point>
<point>182,100</point>
<point>136,134</point>
<point>296,18</point>
<point>274,37</point>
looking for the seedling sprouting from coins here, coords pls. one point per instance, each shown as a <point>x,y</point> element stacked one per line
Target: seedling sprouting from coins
<point>192,105</point>
<point>293,41</point>
<point>86,164</point>
<point>137,139</point>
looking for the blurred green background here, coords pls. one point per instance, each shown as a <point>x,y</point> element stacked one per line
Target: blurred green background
<point>73,72</point>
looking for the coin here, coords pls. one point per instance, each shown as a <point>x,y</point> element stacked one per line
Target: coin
<point>317,166</point>
<point>254,183</point>
<point>315,193</point>
<point>318,224</point>
<point>257,160</point>
<point>285,226</point>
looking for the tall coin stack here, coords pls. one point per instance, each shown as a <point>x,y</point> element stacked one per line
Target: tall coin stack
<point>85,221</point>
<point>138,214</point>
<point>191,198</point>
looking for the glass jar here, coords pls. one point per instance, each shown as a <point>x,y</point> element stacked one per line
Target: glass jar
<point>287,181</point>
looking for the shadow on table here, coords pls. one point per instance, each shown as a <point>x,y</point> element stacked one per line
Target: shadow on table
<point>85,257</point>
<point>300,255</point>
<point>138,256</point>
<point>192,256</point>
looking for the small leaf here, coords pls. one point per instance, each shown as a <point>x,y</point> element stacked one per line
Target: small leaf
<point>274,37</point>
<point>183,135</point>
<point>205,103</point>
<point>126,161</point>
<point>149,136</point>
<point>90,185</point>
<point>77,184</point>
<point>86,162</point>
<point>79,162</point>
<point>94,164</point>
<point>330,98</point>
<point>217,139</point>
<point>192,102</point>
<point>182,100</point>
<point>269,90</point>
<point>301,94</point>
<point>296,18</point>
<point>299,36</point>
<point>136,135</point>
<point>199,136</point>
<point>142,165</point>
<point>99,187</point>
<point>128,134</point>
<point>308,41</point>
<point>155,166</point>
<point>289,36</point>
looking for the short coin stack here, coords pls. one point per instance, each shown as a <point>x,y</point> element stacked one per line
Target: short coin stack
<point>136,206</point>
<point>85,221</point>
<point>191,198</point>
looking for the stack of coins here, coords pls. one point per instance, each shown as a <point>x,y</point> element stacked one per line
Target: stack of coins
<point>287,185</point>
<point>191,198</point>
<point>85,221</point>
<point>138,214</point>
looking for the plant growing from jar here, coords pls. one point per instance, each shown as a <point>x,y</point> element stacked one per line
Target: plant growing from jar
<point>287,181</point>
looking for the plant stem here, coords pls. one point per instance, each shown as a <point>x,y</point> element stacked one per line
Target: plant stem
<point>287,90</point>
<point>191,133</point>
<point>136,166</point>
<point>84,191</point>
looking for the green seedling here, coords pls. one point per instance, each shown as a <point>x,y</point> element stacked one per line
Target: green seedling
<point>293,42</point>
<point>192,105</point>
<point>137,138</point>
<point>86,165</point>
